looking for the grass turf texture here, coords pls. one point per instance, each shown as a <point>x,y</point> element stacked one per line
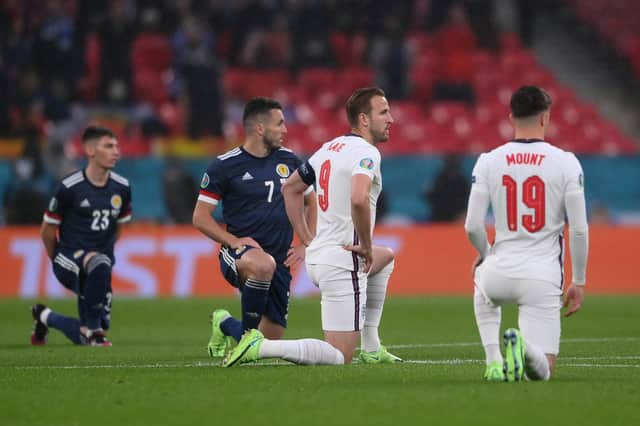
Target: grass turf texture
<point>158,371</point>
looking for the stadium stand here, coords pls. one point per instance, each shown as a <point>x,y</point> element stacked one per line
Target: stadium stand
<point>457,102</point>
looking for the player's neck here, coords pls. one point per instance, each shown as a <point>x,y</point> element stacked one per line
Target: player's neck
<point>257,149</point>
<point>529,133</point>
<point>364,135</point>
<point>96,175</point>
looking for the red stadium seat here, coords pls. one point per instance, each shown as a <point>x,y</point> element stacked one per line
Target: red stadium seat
<point>455,37</point>
<point>443,113</point>
<point>173,116</point>
<point>151,51</point>
<point>263,82</point>
<point>510,41</point>
<point>351,78</point>
<point>313,79</point>
<point>91,81</point>
<point>517,61</point>
<point>404,112</point>
<point>295,138</point>
<point>419,42</point>
<point>341,44</point>
<point>149,87</point>
<point>485,137</point>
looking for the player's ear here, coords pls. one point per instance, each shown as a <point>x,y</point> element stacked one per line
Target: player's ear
<point>364,119</point>
<point>90,148</point>
<point>544,119</point>
<point>259,127</point>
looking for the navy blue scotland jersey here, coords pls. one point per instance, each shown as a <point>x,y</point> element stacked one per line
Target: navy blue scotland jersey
<point>88,215</point>
<point>249,188</point>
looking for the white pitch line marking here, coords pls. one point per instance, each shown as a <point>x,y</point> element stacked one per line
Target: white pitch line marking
<point>453,361</point>
<point>457,344</point>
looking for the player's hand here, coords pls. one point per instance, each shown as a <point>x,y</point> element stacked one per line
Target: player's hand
<point>245,241</point>
<point>477,262</point>
<point>365,252</point>
<point>573,299</point>
<point>295,255</point>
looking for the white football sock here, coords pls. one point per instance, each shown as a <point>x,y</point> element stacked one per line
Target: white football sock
<point>44,315</point>
<point>488,320</point>
<point>536,362</point>
<point>376,293</point>
<point>302,351</point>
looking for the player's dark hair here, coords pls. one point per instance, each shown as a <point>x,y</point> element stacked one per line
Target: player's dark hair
<point>529,101</point>
<point>360,102</point>
<point>257,106</point>
<point>95,132</point>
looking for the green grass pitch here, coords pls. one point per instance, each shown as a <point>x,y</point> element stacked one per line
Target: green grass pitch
<point>158,372</point>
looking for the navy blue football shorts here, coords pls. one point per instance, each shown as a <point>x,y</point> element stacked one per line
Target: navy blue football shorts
<point>278,300</point>
<point>67,267</point>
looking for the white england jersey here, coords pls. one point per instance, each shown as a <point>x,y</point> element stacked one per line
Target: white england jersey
<point>334,165</point>
<point>527,181</point>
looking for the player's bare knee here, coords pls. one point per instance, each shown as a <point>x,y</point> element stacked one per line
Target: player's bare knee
<point>383,260</point>
<point>264,267</point>
<point>87,257</point>
<point>390,255</point>
<point>384,254</point>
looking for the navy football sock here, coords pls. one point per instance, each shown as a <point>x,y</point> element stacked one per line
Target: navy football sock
<point>232,327</point>
<point>254,302</point>
<point>95,289</point>
<point>105,321</point>
<point>82,310</point>
<point>67,325</point>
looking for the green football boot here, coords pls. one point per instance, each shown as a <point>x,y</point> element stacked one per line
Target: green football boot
<point>494,372</point>
<point>514,355</point>
<point>218,342</point>
<point>248,349</point>
<point>381,356</point>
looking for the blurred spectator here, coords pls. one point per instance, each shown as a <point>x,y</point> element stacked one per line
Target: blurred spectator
<point>448,195</point>
<point>5,122</point>
<point>247,18</point>
<point>454,44</point>
<point>26,198</point>
<point>200,78</point>
<point>116,36</point>
<point>478,12</point>
<point>310,23</point>
<point>54,54</point>
<point>180,191</point>
<point>30,101</point>
<point>190,36</point>
<point>391,57</point>
<point>57,105</point>
<point>217,15</point>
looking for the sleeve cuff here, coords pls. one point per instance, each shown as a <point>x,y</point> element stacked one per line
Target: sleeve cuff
<point>51,219</point>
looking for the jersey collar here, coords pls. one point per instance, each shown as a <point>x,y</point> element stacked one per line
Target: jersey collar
<point>258,158</point>
<point>355,135</point>
<point>86,178</point>
<point>533,140</point>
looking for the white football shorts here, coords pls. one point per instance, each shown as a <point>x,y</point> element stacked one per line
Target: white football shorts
<point>539,303</point>
<point>343,297</point>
